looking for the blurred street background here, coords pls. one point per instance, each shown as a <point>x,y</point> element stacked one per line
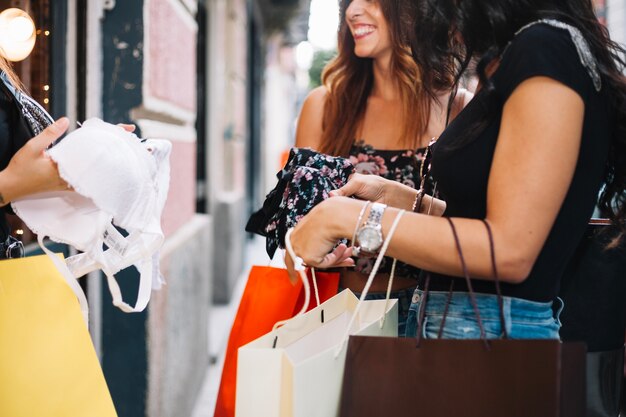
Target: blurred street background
<point>223,80</point>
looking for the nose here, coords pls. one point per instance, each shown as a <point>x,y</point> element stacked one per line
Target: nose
<point>354,10</point>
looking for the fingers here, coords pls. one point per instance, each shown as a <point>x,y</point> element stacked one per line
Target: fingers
<point>127,127</point>
<point>340,256</point>
<point>340,252</point>
<point>51,133</point>
<point>351,187</point>
<point>57,128</point>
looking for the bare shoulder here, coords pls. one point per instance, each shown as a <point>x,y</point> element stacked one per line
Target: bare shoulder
<point>317,96</point>
<point>309,130</point>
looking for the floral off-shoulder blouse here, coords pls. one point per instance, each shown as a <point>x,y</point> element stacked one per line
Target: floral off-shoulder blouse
<point>397,165</point>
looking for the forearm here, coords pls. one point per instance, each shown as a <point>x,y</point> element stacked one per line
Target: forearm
<point>427,241</point>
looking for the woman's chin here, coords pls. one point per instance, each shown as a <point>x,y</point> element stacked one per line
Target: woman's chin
<point>361,52</point>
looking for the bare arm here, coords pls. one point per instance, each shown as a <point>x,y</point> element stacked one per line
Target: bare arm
<point>309,129</point>
<point>524,195</point>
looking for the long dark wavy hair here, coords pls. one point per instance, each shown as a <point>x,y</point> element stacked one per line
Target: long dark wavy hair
<point>349,80</point>
<point>481,29</point>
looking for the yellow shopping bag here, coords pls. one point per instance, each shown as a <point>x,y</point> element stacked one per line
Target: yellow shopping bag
<point>48,365</point>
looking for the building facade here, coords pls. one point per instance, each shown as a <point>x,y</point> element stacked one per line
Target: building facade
<point>194,73</point>
<point>217,79</point>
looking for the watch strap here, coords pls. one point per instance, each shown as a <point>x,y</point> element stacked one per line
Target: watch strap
<point>376,214</point>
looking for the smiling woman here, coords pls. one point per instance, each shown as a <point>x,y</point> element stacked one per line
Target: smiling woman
<point>551,79</point>
<point>376,108</point>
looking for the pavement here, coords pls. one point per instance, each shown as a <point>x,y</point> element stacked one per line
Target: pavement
<point>220,321</point>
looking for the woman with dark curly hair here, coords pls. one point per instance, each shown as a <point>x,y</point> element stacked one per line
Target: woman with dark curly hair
<point>529,154</point>
<point>378,108</point>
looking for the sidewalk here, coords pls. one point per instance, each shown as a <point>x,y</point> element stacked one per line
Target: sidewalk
<point>220,321</point>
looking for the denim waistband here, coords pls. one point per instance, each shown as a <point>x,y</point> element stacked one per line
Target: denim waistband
<point>461,304</point>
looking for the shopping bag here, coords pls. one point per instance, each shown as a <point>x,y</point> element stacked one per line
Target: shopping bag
<point>443,377</point>
<point>295,370</point>
<point>269,297</point>
<point>469,378</point>
<point>48,365</point>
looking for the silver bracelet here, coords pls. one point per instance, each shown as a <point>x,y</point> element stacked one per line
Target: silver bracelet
<point>358,221</point>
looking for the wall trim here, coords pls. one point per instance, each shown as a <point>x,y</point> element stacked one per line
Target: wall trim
<point>156,129</point>
<point>182,236</point>
<point>150,102</point>
<point>157,105</point>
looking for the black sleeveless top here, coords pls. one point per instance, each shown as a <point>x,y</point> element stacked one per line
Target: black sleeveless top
<point>462,170</point>
<point>397,165</point>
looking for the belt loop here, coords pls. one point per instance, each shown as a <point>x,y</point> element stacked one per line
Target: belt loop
<point>506,311</point>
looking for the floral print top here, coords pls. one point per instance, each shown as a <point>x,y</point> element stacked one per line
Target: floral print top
<point>305,181</point>
<point>397,165</point>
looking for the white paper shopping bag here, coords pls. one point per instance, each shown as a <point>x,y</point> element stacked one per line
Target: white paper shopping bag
<point>297,370</point>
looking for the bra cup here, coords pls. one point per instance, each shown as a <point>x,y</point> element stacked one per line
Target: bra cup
<point>119,181</point>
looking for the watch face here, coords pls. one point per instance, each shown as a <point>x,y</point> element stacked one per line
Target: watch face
<point>370,238</point>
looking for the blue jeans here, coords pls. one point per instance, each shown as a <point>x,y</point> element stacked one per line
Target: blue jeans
<point>404,301</point>
<point>523,319</point>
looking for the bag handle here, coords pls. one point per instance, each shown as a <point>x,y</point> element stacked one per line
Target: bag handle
<point>496,277</point>
<point>69,278</point>
<point>469,287</point>
<point>300,269</point>
<point>369,281</point>
<point>307,291</point>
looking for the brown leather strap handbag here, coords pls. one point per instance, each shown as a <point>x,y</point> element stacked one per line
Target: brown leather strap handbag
<point>469,378</point>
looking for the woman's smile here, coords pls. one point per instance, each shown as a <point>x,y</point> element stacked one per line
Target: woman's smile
<point>362,30</point>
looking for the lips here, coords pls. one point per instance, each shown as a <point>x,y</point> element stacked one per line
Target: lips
<point>362,31</point>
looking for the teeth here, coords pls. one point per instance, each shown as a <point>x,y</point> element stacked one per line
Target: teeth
<point>363,30</point>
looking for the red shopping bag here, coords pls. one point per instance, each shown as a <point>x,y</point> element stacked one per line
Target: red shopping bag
<point>269,297</point>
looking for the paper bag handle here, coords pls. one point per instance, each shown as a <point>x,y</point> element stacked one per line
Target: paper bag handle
<point>297,262</point>
<point>369,281</point>
<point>472,294</point>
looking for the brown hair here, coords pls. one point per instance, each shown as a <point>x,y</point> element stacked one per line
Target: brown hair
<point>8,69</point>
<point>348,80</point>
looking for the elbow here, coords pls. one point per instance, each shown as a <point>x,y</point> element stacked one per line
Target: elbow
<point>515,267</point>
